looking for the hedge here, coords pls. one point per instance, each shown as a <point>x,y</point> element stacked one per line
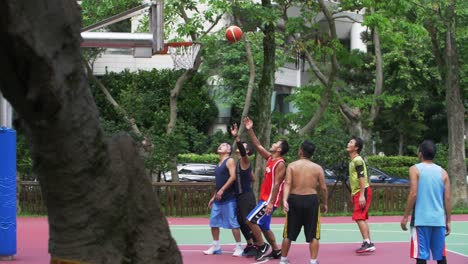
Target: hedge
<point>397,166</point>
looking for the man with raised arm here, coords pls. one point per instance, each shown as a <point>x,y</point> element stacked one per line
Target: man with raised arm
<point>429,200</point>
<point>301,202</point>
<point>270,193</point>
<point>245,196</point>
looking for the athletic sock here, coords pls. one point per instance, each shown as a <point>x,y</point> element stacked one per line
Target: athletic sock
<point>421,261</point>
<point>216,243</point>
<point>313,261</point>
<point>284,259</point>
<point>442,261</point>
<point>367,240</point>
<point>238,244</point>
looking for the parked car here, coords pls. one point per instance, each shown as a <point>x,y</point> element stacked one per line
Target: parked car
<point>203,172</point>
<point>330,176</point>
<point>196,172</point>
<point>379,176</point>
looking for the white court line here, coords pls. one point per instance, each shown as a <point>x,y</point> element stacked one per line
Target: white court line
<point>323,243</point>
<point>323,224</point>
<point>280,227</point>
<point>229,252</point>
<point>322,229</point>
<point>458,253</point>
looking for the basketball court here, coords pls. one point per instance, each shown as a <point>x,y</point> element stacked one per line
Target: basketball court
<point>340,237</point>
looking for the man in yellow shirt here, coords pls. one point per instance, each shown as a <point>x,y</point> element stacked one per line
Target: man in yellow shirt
<point>361,192</point>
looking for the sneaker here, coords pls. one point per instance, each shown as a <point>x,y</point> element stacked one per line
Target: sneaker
<point>238,252</point>
<point>249,251</point>
<point>275,254</point>
<point>213,251</point>
<point>366,247</point>
<point>262,251</point>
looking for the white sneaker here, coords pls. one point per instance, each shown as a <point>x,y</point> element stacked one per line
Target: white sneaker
<point>238,252</point>
<point>213,251</point>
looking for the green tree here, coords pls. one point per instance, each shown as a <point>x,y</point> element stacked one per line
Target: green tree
<point>192,27</point>
<point>145,96</point>
<point>441,20</point>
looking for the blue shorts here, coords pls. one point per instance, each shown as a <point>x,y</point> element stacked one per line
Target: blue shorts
<point>224,214</point>
<point>258,216</point>
<point>426,239</point>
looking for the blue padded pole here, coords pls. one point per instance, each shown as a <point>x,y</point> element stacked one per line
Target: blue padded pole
<point>7,192</point>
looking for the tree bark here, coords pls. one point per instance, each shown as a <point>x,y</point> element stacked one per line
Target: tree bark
<point>327,81</point>
<point>352,116</point>
<point>101,207</point>
<point>265,91</point>
<point>365,130</point>
<point>455,115</point>
<point>187,75</point>
<point>379,79</point>
<point>447,62</point>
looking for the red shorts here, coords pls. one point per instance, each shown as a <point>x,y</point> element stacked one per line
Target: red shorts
<point>361,213</point>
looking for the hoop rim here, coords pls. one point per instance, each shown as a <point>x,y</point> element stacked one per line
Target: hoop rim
<point>175,45</point>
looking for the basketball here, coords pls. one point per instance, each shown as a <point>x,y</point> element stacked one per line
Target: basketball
<point>233,34</point>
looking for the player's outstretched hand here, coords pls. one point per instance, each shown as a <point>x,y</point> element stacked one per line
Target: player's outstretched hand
<point>234,130</point>
<point>248,123</point>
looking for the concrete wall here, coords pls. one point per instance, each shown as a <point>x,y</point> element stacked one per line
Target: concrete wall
<point>115,62</point>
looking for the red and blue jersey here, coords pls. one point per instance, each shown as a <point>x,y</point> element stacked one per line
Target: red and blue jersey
<point>269,181</point>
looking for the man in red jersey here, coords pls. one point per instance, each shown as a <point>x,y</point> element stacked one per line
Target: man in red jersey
<point>259,218</point>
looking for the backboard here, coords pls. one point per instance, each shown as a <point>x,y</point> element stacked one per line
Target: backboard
<point>146,44</point>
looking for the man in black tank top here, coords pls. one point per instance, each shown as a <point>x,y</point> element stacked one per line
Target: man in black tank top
<point>246,201</point>
<point>223,204</point>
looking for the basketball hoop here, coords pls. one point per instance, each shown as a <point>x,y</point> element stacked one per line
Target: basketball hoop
<point>183,54</point>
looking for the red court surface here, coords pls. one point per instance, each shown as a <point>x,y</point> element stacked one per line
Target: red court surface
<point>32,240</point>
<point>386,253</point>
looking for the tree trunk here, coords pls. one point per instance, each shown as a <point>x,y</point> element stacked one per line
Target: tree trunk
<point>378,75</point>
<point>455,116</point>
<point>401,143</point>
<point>314,121</point>
<point>101,207</point>
<point>378,89</point>
<point>327,81</point>
<point>173,109</point>
<point>265,91</point>
<point>187,75</point>
<point>368,148</point>
<point>352,117</point>
<point>251,84</point>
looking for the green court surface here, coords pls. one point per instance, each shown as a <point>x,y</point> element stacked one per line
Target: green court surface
<point>456,242</point>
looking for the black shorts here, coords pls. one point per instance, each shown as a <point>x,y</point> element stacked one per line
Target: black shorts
<point>245,203</point>
<point>304,211</point>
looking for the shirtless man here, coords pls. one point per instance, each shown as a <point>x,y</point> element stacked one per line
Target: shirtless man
<point>301,202</point>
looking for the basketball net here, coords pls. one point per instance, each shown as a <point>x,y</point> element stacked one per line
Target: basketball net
<point>184,56</point>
